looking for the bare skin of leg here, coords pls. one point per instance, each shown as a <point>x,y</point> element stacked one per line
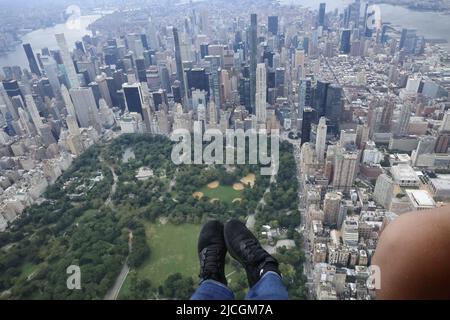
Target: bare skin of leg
<point>413,254</point>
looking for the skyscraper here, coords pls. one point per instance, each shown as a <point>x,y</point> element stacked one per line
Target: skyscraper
<point>34,113</point>
<point>68,102</point>
<point>261,93</point>
<point>345,166</point>
<point>345,41</point>
<point>72,76</point>
<point>197,78</point>
<point>34,68</point>
<point>304,95</point>
<point>212,112</point>
<point>408,39</point>
<point>320,97</point>
<point>426,146</point>
<point>133,97</point>
<point>321,138</point>
<point>85,106</point>
<point>403,123</point>
<point>103,88</point>
<point>51,71</point>
<point>331,208</point>
<point>442,143</point>
<point>333,106</point>
<point>12,88</point>
<point>321,18</point>
<point>384,191</point>
<point>72,125</point>
<point>308,118</point>
<point>273,25</point>
<point>253,45</point>
<point>445,126</point>
<point>179,62</point>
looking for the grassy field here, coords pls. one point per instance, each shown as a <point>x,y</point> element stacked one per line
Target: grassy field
<point>223,193</point>
<point>173,249</point>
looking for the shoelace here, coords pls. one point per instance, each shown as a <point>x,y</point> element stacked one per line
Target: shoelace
<point>253,251</point>
<point>209,262</point>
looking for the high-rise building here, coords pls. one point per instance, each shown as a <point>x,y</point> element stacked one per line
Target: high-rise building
<point>34,113</point>
<point>204,50</point>
<point>321,139</point>
<point>197,78</point>
<point>408,40</point>
<point>261,93</point>
<point>85,106</point>
<point>12,88</point>
<point>133,97</point>
<point>331,208</point>
<point>362,135</point>
<point>384,191</point>
<point>345,167</point>
<point>214,79</point>
<point>442,143</point>
<point>321,17</point>
<point>72,76</point>
<point>345,41</point>
<point>199,97</point>
<point>333,106</point>
<point>51,71</point>
<point>426,146</point>
<point>299,63</point>
<point>445,126</point>
<point>104,89</point>
<point>253,52</point>
<point>304,95</point>
<point>179,62</point>
<point>34,68</point>
<point>308,118</point>
<point>72,125</point>
<point>386,116</point>
<point>403,123</point>
<point>347,136</point>
<point>141,69</point>
<point>152,34</point>
<point>320,97</point>
<point>68,102</point>
<point>273,25</point>
<point>24,124</point>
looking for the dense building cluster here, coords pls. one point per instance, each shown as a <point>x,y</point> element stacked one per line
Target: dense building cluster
<point>367,108</point>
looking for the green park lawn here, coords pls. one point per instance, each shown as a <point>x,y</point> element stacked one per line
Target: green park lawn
<point>223,193</point>
<point>173,249</point>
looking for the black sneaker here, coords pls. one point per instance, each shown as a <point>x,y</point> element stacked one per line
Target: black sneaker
<point>245,248</point>
<point>212,251</point>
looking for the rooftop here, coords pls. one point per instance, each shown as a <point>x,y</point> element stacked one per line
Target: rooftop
<point>421,198</point>
<point>404,172</point>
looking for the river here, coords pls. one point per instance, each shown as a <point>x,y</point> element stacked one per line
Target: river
<point>43,38</point>
<point>432,25</point>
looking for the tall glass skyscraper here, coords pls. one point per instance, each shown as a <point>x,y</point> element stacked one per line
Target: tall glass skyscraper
<point>253,58</point>
<point>31,59</point>
<point>321,19</point>
<point>178,60</point>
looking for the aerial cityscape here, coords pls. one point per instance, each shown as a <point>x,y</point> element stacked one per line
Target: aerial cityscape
<point>92,92</point>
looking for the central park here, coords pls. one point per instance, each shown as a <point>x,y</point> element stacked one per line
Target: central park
<point>125,203</point>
